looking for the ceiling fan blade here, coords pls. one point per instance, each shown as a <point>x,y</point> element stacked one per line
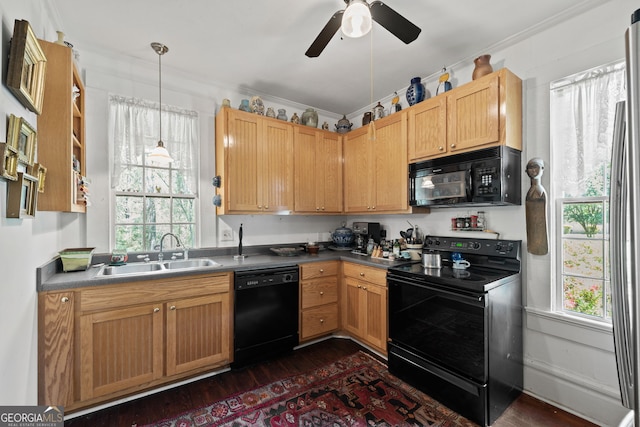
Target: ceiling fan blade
<point>395,23</point>
<point>325,35</point>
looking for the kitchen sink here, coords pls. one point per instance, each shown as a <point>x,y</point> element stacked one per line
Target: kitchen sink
<point>154,267</point>
<point>191,263</point>
<point>135,268</point>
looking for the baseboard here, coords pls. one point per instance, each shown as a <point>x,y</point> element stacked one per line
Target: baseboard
<point>579,396</point>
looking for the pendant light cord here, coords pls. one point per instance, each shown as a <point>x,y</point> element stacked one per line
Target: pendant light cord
<point>371,132</point>
<point>160,91</point>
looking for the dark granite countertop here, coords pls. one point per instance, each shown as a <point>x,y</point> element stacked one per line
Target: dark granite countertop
<point>50,277</point>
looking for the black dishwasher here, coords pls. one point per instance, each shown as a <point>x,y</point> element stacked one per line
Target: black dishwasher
<point>265,314</point>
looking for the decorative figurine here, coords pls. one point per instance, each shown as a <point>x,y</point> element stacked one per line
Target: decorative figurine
<point>295,119</point>
<point>444,83</point>
<point>536,209</point>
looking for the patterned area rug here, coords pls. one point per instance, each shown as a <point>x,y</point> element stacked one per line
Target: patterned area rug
<point>354,391</point>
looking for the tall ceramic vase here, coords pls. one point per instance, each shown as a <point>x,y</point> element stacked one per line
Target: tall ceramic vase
<point>483,67</point>
<point>415,91</point>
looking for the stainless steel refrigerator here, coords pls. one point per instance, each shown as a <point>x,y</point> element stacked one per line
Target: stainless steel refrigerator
<point>625,227</point>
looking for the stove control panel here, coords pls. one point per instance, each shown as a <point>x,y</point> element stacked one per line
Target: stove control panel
<point>488,247</point>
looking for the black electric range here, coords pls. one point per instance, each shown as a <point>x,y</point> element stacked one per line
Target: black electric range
<point>456,334</point>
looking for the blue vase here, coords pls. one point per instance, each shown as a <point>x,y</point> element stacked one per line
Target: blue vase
<point>415,91</point>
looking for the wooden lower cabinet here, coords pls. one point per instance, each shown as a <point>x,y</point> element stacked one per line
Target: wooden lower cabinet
<point>365,305</point>
<point>120,349</point>
<point>318,299</point>
<point>55,348</point>
<point>129,337</point>
<point>197,332</point>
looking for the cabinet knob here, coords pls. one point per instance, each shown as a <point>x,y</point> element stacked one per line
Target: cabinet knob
<point>364,288</point>
<point>317,208</point>
<point>155,310</point>
<point>361,274</point>
<point>453,145</point>
<point>359,287</point>
<point>322,270</point>
<point>259,206</point>
<point>321,320</point>
<point>64,299</point>
<point>441,148</point>
<point>322,208</point>
<point>321,293</point>
<point>266,207</point>
<point>173,307</point>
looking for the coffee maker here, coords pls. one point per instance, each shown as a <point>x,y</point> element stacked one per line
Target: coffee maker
<point>363,231</point>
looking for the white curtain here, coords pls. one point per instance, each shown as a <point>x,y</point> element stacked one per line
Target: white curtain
<point>134,131</point>
<point>582,113</point>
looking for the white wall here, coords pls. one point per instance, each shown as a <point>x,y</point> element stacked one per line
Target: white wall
<point>569,363</point>
<point>25,244</point>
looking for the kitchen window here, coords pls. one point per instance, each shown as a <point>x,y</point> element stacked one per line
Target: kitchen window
<point>151,200</point>
<point>582,114</point>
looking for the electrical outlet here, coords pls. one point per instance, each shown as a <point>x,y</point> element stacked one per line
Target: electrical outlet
<point>226,235</point>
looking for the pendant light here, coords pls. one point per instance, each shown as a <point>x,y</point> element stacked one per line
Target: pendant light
<point>356,21</point>
<point>160,155</point>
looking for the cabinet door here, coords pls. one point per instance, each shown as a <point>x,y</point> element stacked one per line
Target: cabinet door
<point>329,172</point>
<point>427,128</point>
<point>275,166</point>
<point>353,321</point>
<point>391,166</point>
<point>197,332</point>
<point>305,164</point>
<point>242,181</point>
<point>374,306</point>
<point>120,349</point>
<point>55,348</point>
<point>473,114</point>
<point>359,172</point>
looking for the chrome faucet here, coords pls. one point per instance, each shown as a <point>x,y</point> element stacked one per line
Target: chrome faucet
<point>160,256</point>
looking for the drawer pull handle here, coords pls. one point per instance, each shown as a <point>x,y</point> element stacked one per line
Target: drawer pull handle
<point>64,299</point>
<point>155,310</point>
<point>173,307</point>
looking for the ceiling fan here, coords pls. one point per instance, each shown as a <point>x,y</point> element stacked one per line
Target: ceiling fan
<point>355,21</point>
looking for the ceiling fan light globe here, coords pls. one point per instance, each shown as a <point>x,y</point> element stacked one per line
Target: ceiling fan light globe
<point>356,20</point>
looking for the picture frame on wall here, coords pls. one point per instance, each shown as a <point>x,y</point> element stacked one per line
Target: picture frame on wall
<point>22,196</point>
<point>40,172</point>
<point>22,137</point>
<point>27,67</point>
<point>8,162</point>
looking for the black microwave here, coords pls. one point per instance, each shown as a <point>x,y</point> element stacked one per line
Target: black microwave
<point>490,176</point>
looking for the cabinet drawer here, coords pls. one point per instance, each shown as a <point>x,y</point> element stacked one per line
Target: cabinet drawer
<point>127,294</point>
<point>318,269</point>
<point>319,291</point>
<point>362,272</point>
<point>318,321</point>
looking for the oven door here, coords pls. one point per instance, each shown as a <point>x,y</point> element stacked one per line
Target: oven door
<point>442,326</point>
<point>439,186</point>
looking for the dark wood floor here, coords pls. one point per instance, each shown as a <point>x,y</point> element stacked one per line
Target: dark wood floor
<point>525,411</point>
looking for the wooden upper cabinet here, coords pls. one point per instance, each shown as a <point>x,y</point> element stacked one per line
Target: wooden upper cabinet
<point>61,132</point>
<point>428,128</point>
<point>483,113</point>
<point>318,171</point>
<point>254,158</point>
<point>375,165</point>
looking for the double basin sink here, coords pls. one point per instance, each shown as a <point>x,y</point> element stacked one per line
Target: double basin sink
<point>154,267</point>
